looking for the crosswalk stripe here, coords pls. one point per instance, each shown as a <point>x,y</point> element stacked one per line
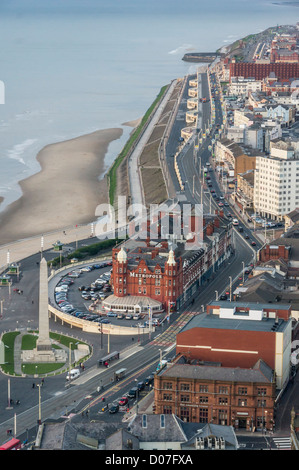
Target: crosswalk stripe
<point>282,442</point>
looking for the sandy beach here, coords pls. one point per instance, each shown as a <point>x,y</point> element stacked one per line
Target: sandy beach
<point>65,192</point>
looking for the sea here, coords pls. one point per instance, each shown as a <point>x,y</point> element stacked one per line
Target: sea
<point>71,67</point>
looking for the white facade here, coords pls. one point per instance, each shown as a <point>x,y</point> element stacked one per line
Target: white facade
<point>276,183</point>
<point>241,86</point>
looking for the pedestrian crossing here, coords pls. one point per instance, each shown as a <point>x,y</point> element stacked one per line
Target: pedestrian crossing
<point>282,443</point>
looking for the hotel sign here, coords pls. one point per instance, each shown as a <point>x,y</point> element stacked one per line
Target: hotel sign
<point>154,276</point>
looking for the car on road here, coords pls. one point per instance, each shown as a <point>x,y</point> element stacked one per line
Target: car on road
<point>133,392</point>
<point>253,243</point>
<point>223,297</point>
<point>140,386</point>
<point>235,222</point>
<point>114,409</point>
<point>123,401</point>
<point>149,380</point>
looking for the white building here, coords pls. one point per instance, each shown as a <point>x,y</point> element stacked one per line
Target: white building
<point>240,86</point>
<point>276,182</point>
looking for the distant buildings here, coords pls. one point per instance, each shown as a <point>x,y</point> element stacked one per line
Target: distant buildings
<point>276,183</point>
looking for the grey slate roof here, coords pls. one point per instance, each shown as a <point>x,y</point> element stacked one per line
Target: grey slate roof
<point>230,374</point>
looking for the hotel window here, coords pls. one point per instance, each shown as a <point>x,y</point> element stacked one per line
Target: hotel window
<point>157,271</point>
<point>203,399</point>
<point>185,398</point>
<point>222,417</point>
<point>139,290</point>
<point>261,391</point>
<point>242,391</point>
<point>157,291</point>
<point>222,401</point>
<point>185,387</point>
<point>120,270</point>
<point>167,385</point>
<point>125,291</point>
<point>167,396</point>
<point>120,291</point>
<point>144,291</point>
<point>167,410</point>
<point>203,415</point>
<point>162,421</point>
<point>185,414</point>
<point>204,388</point>
<point>242,402</point>
<point>223,390</point>
<point>261,403</point>
<point>139,282</point>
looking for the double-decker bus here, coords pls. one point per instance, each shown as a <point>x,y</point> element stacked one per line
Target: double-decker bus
<point>12,444</point>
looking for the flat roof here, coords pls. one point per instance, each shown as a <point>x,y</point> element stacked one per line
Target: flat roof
<point>213,321</point>
<point>251,305</point>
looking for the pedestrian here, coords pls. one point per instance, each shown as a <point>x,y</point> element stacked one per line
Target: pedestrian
<point>43,381</point>
<point>32,301</point>
<point>18,402</point>
<point>33,385</point>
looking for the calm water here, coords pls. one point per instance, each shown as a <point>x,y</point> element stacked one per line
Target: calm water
<point>76,66</point>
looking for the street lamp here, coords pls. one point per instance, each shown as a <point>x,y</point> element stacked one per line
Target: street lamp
<point>230,288</point>
<point>39,405</point>
<point>243,264</point>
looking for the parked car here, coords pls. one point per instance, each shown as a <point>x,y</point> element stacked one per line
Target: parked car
<point>111,314</point>
<point>120,316</point>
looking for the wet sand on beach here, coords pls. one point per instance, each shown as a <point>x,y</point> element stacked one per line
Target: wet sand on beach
<point>65,192</point>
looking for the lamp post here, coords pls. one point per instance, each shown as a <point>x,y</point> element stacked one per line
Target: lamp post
<point>243,264</point>
<point>39,405</point>
<point>230,288</point>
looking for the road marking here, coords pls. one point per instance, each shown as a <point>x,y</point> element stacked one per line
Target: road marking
<point>282,442</point>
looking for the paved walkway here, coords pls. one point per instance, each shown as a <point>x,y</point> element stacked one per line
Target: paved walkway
<point>23,248</point>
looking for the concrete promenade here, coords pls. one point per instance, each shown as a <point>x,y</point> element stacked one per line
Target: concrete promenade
<point>133,166</point>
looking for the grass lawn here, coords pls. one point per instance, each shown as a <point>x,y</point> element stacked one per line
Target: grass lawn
<point>28,343</point>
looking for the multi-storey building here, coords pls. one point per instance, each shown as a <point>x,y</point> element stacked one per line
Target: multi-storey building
<point>284,70</point>
<point>242,398</point>
<point>237,334</point>
<point>164,275</point>
<point>276,183</point>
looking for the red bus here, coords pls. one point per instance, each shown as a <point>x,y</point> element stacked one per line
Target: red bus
<point>12,444</point>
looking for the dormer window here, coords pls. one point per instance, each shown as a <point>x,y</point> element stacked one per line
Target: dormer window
<point>162,421</point>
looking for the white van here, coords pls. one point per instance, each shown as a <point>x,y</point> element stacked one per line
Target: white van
<point>61,289</point>
<point>235,222</point>
<point>73,374</point>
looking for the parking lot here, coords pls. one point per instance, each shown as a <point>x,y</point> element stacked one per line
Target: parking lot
<point>79,289</point>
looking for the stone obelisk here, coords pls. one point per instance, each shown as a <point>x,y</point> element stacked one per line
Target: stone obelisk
<point>43,344</point>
